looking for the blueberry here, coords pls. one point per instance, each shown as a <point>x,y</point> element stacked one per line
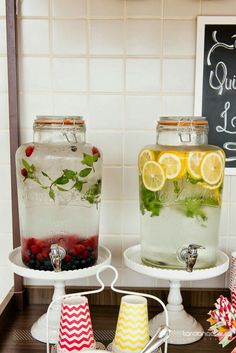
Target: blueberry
<point>89,248</point>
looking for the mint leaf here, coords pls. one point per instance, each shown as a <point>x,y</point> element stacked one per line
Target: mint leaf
<point>61,180</point>
<point>193,208</point>
<point>149,201</point>
<point>70,174</point>
<point>85,172</point>
<point>78,185</point>
<point>61,189</point>
<point>193,181</point>
<point>45,174</point>
<point>95,157</point>
<point>88,160</point>
<point>176,187</point>
<point>51,194</point>
<point>93,193</point>
<point>26,165</point>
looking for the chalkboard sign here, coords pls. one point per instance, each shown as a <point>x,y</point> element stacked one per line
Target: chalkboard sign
<point>215,88</point>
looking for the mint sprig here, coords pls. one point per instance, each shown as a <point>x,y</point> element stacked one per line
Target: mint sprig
<point>92,195</point>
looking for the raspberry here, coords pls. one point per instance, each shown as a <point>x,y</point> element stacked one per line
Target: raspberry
<point>96,151</point>
<point>39,257</point>
<point>24,172</point>
<point>29,150</point>
<point>34,249</point>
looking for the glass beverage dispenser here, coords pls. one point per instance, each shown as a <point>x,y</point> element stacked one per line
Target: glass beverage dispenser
<point>181,181</point>
<point>59,186</point>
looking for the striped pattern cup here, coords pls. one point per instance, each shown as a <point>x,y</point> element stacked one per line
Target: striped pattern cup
<point>132,332</point>
<point>232,280</point>
<point>76,331</point>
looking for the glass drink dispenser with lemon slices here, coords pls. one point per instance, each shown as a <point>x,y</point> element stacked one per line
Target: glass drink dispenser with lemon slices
<point>180,184</point>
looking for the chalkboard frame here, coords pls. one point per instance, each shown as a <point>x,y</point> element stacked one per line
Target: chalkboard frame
<point>202,21</point>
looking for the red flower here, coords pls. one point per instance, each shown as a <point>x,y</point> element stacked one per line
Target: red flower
<point>29,150</point>
<point>95,151</point>
<point>24,173</point>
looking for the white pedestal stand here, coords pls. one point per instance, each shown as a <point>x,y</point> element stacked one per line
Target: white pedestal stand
<point>38,329</point>
<point>185,329</point>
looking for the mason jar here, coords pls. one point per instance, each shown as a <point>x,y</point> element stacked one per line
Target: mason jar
<point>180,184</point>
<point>59,177</point>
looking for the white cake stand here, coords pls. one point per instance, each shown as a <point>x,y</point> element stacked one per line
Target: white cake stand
<point>38,329</point>
<point>185,329</point>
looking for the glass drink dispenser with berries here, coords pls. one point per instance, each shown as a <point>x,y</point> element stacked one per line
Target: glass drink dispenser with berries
<point>59,179</point>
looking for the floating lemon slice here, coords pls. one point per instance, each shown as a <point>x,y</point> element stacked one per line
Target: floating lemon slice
<point>145,156</point>
<point>153,176</point>
<point>212,168</point>
<point>171,164</point>
<point>194,163</point>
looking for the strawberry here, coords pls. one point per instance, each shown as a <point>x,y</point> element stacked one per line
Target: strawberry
<point>96,151</point>
<point>24,172</point>
<point>29,150</point>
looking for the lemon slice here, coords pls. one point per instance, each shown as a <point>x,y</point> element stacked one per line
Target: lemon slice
<point>145,156</point>
<point>171,164</point>
<point>212,168</point>
<point>193,164</point>
<point>153,176</point>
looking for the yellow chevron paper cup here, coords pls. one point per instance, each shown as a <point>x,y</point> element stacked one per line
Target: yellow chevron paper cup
<point>132,333</point>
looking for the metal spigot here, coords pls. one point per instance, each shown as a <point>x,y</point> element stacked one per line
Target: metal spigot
<point>57,254</point>
<point>157,340</point>
<point>189,255</point>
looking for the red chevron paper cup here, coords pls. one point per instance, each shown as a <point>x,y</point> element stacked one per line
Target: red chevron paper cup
<point>232,280</point>
<point>76,332</point>
<point>233,299</point>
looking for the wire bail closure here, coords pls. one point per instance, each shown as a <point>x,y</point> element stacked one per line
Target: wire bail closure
<point>185,129</point>
<point>72,130</point>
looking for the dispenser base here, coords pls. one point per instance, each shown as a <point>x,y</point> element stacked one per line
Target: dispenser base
<point>184,328</point>
<point>38,330</point>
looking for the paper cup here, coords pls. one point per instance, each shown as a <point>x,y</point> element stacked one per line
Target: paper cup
<point>232,279</point>
<point>76,331</point>
<point>132,333</point>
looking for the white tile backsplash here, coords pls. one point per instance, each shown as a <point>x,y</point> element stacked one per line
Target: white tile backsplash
<point>144,8</point>
<point>142,112</point>
<point>107,37</point>
<point>33,105</point>
<point>178,75</point>
<point>64,43</point>
<point>69,8</point>
<point>106,75</point>
<point>71,104</point>
<point>177,105</point>
<point>35,74</point>
<point>33,36</point>
<point>106,8</point>
<point>69,74</point>
<point>3,74</point>
<point>182,8</point>
<point>121,64</point>
<point>106,111</point>
<point>34,8</point>
<point>226,7</point>
<point>173,30</point>
<point>143,75</point>
<point>3,45</point>
<point>2,8</point>
<point>4,121</point>
<point>148,40</point>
